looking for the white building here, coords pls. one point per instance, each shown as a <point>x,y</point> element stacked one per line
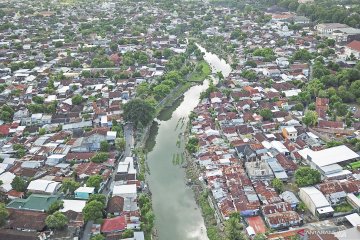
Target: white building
<point>316,202</point>
<point>43,186</point>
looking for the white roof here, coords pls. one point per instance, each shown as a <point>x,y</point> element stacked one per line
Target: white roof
<point>85,189</point>
<point>279,146</point>
<point>310,134</point>
<point>332,155</point>
<point>73,205</point>
<point>124,189</point>
<point>354,219</point>
<point>43,185</point>
<point>354,199</point>
<point>291,129</point>
<point>316,196</point>
<point>7,178</point>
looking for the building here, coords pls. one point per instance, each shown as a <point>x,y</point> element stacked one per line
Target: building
<point>43,186</point>
<point>84,192</point>
<point>328,161</point>
<point>353,48</point>
<point>35,202</point>
<point>328,28</point>
<point>290,133</point>
<point>316,202</point>
<point>113,225</point>
<point>125,191</point>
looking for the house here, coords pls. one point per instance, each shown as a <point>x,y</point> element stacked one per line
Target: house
<point>290,133</point>
<point>330,124</point>
<point>43,186</point>
<point>20,219</point>
<point>115,205</point>
<point>35,202</point>
<point>125,191</point>
<point>113,225</point>
<point>353,48</point>
<point>281,220</point>
<point>290,198</point>
<point>84,192</point>
<point>316,202</point>
<point>328,28</point>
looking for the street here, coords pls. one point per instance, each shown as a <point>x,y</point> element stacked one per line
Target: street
<point>129,139</point>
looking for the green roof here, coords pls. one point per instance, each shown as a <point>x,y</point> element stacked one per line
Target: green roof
<point>35,202</point>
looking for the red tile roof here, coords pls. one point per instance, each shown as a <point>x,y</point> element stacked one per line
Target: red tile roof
<point>116,224</point>
<point>354,45</point>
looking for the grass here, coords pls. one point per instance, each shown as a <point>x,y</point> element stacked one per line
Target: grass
<point>200,76</point>
<point>344,207</point>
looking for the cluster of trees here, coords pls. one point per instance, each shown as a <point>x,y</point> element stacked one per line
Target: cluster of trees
<point>69,186</point>
<point>20,150</point>
<point>101,61</point>
<point>19,184</point>
<point>249,74</point>
<point>94,181</point>
<point>147,215</point>
<point>139,112</point>
<point>14,66</point>
<point>306,176</point>
<point>131,58</point>
<point>6,113</point>
<point>238,35</point>
<point>192,145</point>
<point>100,157</point>
<point>94,208</point>
<point>266,114</point>
<point>323,10</point>
<point>267,53</point>
<point>42,108</point>
<point>166,53</point>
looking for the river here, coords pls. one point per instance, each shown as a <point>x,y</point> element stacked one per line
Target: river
<point>177,216</point>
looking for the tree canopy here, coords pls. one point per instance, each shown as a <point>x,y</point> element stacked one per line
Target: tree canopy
<point>139,112</point>
<point>56,221</point>
<point>306,176</point>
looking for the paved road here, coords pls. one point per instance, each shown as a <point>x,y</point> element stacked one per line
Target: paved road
<point>129,138</point>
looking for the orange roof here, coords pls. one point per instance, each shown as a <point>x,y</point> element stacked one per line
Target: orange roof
<point>354,45</point>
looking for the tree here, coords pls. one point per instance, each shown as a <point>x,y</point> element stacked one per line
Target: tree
<point>42,131</point>
<point>128,233</point>
<point>19,184</point>
<point>94,181</point>
<point>104,146</point>
<point>77,99</point>
<point>6,113</point>
<point>192,145</point>
<point>310,118</point>
<point>260,236</point>
<point>98,197</point>
<point>233,229</point>
<point>278,185</point>
<point>139,112</point>
<point>56,221</point>
<point>100,157</point>
<point>97,237</point>
<point>69,186</point>
<point>306,176</point>
<point>93,211</point>
<point>266,114</point>
<point>55,206</point>
<point>4,214</point>
<point>161,90</point>
<point>120,144</point>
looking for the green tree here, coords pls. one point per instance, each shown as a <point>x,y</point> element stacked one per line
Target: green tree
<point>306,176</point>
<point>4,214</point>
<point>233,229</point>
<point>56,220</point>
<point>128,233</point>
<point>310,118</point>
<point>38,99</point>
<point>77,99</point>
<point>42,131</point>
<point>19,184</point>
<point>139,112</point>
<point>100,157</point>
<point>266,114</point>
<point>55,206</point>
<point>278,185</point>
<point>94,181</point>
<point>104,146</point>
<point>192,145</point>
<point>161,90</point>
<point>93,211</point>
<point>120,144</point>
<point>260,236</point>
<point>97,237</point>
<point>98,197</point>
<point>69,186</point>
